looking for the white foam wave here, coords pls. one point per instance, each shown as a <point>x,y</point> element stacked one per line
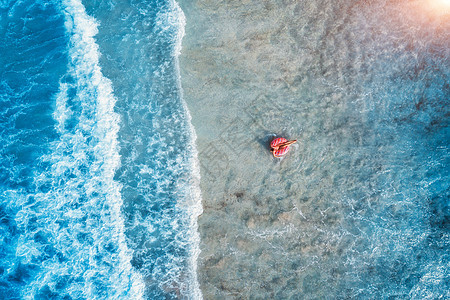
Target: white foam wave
<point>85,67</point>
<point>169,19</point>
<point>193,197</point>
<point>88,152</point>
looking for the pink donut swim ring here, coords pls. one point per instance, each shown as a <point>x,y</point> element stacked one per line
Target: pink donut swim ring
<point>280,146</point>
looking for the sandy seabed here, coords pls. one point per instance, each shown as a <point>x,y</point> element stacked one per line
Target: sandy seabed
<point>308,226</point>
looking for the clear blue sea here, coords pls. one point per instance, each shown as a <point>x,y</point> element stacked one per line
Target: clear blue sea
<point>97,177</point>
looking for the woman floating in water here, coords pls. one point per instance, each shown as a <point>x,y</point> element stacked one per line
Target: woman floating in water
<point>280,146</point>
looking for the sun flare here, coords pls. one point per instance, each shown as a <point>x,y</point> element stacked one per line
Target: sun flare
<point>442,3</point>
<point>437,7</point>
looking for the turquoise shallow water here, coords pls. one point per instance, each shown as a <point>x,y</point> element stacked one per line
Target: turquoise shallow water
<point>359,208</point>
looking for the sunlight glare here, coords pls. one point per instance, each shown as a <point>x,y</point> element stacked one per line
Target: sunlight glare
<point>438,7</point>
<point>443,3</point>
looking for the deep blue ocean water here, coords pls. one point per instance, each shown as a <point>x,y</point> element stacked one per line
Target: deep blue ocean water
<point>97,187</point>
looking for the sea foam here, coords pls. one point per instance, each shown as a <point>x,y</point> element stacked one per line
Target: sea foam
<point>193,196</point>
<point>80,213</point>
